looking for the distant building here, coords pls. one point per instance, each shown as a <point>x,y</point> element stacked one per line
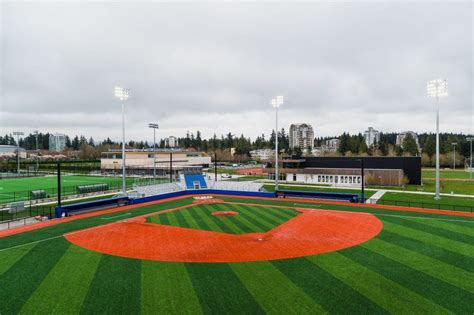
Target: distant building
<point>401,138</point>
<point>57,142</point>
<point>332,144</point>
<point>301,136</point>
<point>371,136</point>
<point>262,154</point>
<point>10,151</point>
<point>171,142</point>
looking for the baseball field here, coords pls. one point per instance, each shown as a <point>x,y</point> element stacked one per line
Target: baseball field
<point>241,255</point>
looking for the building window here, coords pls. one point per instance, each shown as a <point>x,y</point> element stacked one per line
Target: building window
<point>319,178</point>
<point>358,179</point>
<point>294,177</point>
<point>335,179</point>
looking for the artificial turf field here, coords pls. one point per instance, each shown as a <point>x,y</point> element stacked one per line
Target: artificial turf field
<point>419,263</point>
<point>14,189</point>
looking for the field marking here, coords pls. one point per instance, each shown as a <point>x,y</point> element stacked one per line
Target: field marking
<point>306,205</point>
<point>34,242</point>
<point>116,216</point>
<point>423,218</point>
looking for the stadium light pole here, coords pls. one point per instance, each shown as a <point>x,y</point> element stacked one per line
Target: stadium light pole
<point>437,88</point>
<point>276,103</point>
<point>154,127</point>
<point>470,152</point>
<point>37,154</point>
<point>123,95</point>
<point>454,155</point>
<point>18,134</point>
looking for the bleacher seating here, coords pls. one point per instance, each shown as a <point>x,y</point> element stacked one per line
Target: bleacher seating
<point>152,190</point>
<point>195,182</point>
<point>238,186</point>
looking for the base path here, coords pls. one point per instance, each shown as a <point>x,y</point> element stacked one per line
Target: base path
<point>310,233</point>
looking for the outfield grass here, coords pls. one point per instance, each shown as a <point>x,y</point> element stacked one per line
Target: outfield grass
<point>431,173</point>
<point>419,263</point>
<point>18,189</point>
<point>428,201</point>
<point>456,187</point>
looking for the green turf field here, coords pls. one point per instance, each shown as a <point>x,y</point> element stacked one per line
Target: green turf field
<point>431,173</point>
<point>251,219</point>
<point>428,201</point>
<point>18,188</point>
<point>419,263</point>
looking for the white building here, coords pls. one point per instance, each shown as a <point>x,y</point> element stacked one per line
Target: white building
<point>57,142</point>
<point>10,151</point>
<point>332,144</point>
<point>401,137</point>
<point>301,136</point>
<point>262,154</point>
<point>171,142</point>
<point>371,136</point>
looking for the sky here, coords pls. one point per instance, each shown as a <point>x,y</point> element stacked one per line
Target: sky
<point>214,66</point>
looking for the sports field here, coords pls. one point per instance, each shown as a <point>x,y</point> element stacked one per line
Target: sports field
<point>404,262</point>
<point>16,189</point>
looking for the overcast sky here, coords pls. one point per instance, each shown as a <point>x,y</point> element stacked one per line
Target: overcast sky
<point>214,67</point>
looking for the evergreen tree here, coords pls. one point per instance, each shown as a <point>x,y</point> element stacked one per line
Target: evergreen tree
<point>409,145</point>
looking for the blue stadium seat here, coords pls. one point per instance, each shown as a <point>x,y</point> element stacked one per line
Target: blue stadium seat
<point>195,182</point>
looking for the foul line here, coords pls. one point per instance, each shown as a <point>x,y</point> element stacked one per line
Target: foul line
<point>21,245</point>
<point>117,216</point>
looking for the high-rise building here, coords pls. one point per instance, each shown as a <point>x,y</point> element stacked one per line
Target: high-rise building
<point>301,136</point>
<point>371,136</point>
<point>57,142</point>
<point>171,142</point>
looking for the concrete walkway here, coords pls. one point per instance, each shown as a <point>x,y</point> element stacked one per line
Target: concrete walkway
<point>375,197</point>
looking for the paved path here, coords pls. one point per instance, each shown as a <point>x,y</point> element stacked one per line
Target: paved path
<point>375,197</point>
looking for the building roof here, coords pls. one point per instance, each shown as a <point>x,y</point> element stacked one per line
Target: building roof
<point>9,148</point>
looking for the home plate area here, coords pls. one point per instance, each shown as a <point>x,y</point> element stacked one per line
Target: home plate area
<point>216,231</point>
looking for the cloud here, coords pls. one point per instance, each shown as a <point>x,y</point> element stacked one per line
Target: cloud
<point>214,67</point>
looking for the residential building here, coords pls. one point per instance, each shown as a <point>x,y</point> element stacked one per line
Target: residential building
<point>57,142</point>
<point>262,154</point>
<point>371,136</point>
<point>301,136</point>
<point>332,145</point>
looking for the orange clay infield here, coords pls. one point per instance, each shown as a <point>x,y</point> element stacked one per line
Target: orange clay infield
<point>311,232</point>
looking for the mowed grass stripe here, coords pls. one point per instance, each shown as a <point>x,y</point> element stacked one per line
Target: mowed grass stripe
<point>445,243</point>
<point>328,291</point>
<point>19,282</point>
<point>275,293</point>
<point>255,218</point>
<point>435,268</point>
<point>220,291</point>
<point>204,221</point>
<point>430,250</point>
<point>167,289</point>
<point>172,218</point>
<point>443,296</point>
<point>449,226</point>
<point>190,222</point>
<point>65,287</point>
<point>9,257</point>
<point>206,212</point>
<point>181,221</point>
<point>267,216</point>
<point>252,225</point>
<point>280,213</point>
<point>390,295</point>
<point>436,230</point>
<point>115,288</point>
<point>244,225</point>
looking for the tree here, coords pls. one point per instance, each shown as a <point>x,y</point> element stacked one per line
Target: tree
<point>430,147</point>
<point>409,145</point>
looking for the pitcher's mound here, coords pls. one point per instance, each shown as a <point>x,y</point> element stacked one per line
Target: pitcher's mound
<point>225,213</point>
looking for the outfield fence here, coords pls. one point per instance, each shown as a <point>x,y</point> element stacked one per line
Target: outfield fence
<point>424,205</point>
<point>30,214</point>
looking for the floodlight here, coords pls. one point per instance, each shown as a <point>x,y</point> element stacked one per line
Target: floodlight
<point>121,93</point>
<point>153,125</point>
<point>437,88</point>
